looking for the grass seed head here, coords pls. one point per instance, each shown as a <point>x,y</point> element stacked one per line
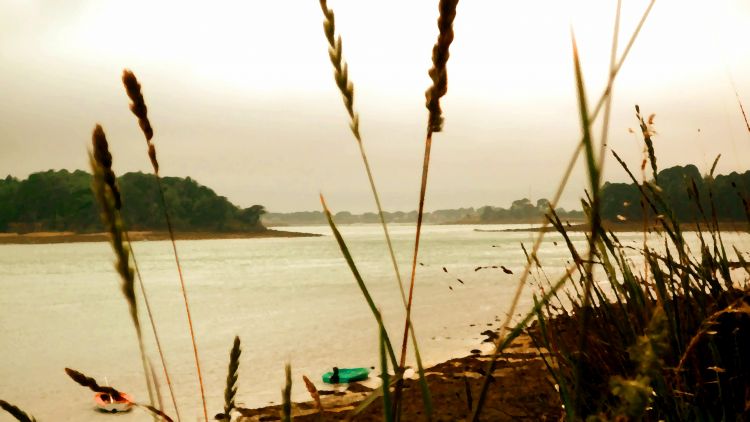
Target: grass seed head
<point>439,73</point>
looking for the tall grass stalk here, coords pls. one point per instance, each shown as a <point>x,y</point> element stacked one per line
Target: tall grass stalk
<point>346,88</point>
<point>139,109</point>
<point>108,196</point>
<point>500,342</point>
<point>439,75</point>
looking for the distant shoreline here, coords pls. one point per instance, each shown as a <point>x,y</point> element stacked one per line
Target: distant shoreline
<point>728,226</point>
<point>36,238</point>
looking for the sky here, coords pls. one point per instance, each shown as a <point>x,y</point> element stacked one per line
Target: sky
<point>242,98</point>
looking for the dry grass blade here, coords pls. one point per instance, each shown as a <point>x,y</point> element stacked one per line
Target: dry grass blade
<point>139,109</point>
<point>315,395</point>
<point>286,395</point>
<point>17,413</point>
<point>230,391</point>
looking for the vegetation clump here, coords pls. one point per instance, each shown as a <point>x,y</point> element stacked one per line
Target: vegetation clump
<point>63,201</point>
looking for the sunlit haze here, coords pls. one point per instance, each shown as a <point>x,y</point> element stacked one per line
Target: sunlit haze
<point>242,97</point>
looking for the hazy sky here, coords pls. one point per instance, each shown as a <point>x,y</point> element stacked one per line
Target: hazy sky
<point>242,98</point>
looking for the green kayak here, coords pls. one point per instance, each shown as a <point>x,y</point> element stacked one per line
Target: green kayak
<point>347,375</point>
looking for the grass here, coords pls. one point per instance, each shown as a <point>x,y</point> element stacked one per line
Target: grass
<point>665,340</point>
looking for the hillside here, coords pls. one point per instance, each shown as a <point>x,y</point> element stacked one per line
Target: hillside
<point>63,201</point>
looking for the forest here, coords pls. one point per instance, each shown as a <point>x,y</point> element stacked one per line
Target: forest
<point>63,201</point>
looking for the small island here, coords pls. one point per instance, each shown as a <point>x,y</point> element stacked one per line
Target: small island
<point>59,207</point>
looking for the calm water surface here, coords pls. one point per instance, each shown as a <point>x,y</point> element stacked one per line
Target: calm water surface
<point>289,299</point>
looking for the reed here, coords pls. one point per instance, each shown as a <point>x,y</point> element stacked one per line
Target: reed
<point>346,88</point>
<point>139,109</point>
<point>108,197</point>
<point>17,413</point>
<point>360,282</point>
<point>501,339</point>
<point>439,75</point>
<point>90,383</point>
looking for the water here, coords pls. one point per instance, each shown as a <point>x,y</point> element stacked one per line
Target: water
<point>289,299</point>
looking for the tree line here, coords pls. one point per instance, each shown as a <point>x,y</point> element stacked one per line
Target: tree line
<point>63,201</point>
<point>689,196</point>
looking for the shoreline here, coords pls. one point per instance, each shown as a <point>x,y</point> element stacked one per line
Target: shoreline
<point>618,227</point>
<point>453,385</point>
<point>38,238</point>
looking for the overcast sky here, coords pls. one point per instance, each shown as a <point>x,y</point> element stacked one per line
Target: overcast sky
<point>242,98</point>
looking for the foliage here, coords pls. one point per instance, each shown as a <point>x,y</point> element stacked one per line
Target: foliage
<point>677,187</point>
<point>523,210</point>
<point>62,201</point>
